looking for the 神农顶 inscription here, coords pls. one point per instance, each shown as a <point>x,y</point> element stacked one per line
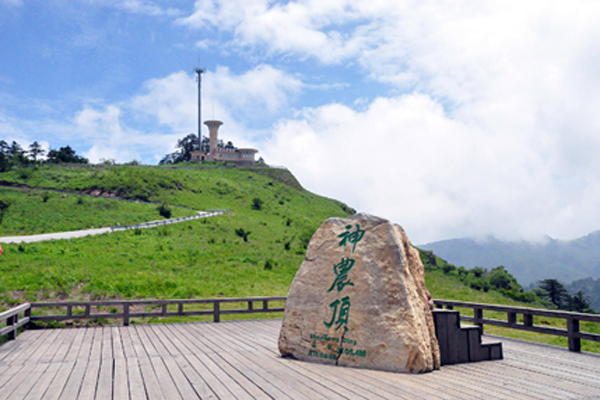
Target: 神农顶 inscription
<point>359,299</point>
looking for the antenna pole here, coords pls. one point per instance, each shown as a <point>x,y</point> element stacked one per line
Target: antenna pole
<point>199,71</point>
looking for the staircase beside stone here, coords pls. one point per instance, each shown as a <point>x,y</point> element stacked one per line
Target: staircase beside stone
<point>462,344</point>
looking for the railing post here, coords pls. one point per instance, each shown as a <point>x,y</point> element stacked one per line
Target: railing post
<point>512,318</point>
<point>250,305</point>
<point>217,311</point>
<point>10,321</point>
<point>527,319</point>
<point>573,330</point>
<point>125,314</point>
<point>478,317</point>
<point>27,314</point>
<point>265,305</point>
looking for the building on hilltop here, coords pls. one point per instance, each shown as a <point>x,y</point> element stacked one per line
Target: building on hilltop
<point>244,157</point>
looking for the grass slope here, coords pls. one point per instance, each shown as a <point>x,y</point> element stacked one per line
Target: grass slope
<point>195,259</point>
<point>33,211</point>
<point>200,258</point>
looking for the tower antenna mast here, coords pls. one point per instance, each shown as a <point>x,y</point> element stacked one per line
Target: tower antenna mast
<point>199,71</point>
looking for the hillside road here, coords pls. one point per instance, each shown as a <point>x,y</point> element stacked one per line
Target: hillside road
<point>99,231</point>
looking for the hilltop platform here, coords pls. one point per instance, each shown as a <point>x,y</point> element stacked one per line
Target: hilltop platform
<point>239,360</point>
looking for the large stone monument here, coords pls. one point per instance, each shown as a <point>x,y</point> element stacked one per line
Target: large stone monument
<point>359,300</point>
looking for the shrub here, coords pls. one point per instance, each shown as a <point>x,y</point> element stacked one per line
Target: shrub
<point>25,173</point>
<point>269,264</point>
<point>448,268</point>
<point>164,210</point>
<point>257,203</point>
<point>480,284</point>
<point>3,207</point>
<point>241,232</point>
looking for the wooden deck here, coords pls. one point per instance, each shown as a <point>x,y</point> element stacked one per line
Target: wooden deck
<point>239,360</point>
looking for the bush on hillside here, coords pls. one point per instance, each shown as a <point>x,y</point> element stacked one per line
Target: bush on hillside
<point>257,203</point>
<point>241,232</point>
<point>3,207</point>
<point>164,210</point>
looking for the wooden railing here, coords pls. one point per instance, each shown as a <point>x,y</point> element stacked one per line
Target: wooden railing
<point>127,309</point>
<point>572,319</point>
<point>13,322</point>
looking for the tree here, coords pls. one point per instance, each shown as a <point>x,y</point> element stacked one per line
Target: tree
<point>36,150</point>
<point>4,163</point>
<point>501,279</point>
<point>169,158</point>
<point>555,292</point>
<point>15,149</point>
<point>185,145</point>
<point>65,155</point>
<point>13,154</point>
<point>205,145</point>
<point>579,302</point>
<point>4,148</point>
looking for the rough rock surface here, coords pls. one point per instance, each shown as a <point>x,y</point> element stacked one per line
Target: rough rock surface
<point>359,300</point>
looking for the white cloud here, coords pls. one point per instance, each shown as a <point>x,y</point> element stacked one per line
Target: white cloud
<point>486,121</point>
<point>110,138</point>
<point>264,88</point>
<point>172,100</point>
<point>168,107</point>
<point>406,159</point>
<point>307,27</point>
<point>496,132</point>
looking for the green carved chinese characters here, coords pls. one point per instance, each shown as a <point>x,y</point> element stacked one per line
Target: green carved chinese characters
<point>351,237</point>
<point>341,274</point>
<point>341,308</point>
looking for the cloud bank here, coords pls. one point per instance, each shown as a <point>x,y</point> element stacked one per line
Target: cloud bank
<point>489,126</point>
<point>454,120</point>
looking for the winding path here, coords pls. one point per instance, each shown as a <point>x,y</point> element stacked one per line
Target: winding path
<point>99,231</point>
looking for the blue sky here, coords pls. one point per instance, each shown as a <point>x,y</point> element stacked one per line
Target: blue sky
<point>452,119</point>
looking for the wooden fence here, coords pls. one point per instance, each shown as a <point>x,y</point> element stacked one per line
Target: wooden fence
<point>13,321</point>
<point>572,319</point>
<point>127,309</point>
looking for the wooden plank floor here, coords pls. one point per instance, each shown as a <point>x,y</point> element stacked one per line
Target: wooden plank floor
<point>239,360</point>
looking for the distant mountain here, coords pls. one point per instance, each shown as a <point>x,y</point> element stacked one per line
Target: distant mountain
<point>528,262</point>
<point>589,286</point>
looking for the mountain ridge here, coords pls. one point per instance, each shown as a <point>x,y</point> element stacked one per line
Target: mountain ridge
<point>565,260</point>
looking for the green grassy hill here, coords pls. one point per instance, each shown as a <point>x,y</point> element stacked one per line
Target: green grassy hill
<point>195,259</point>
<point>199,258</point>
